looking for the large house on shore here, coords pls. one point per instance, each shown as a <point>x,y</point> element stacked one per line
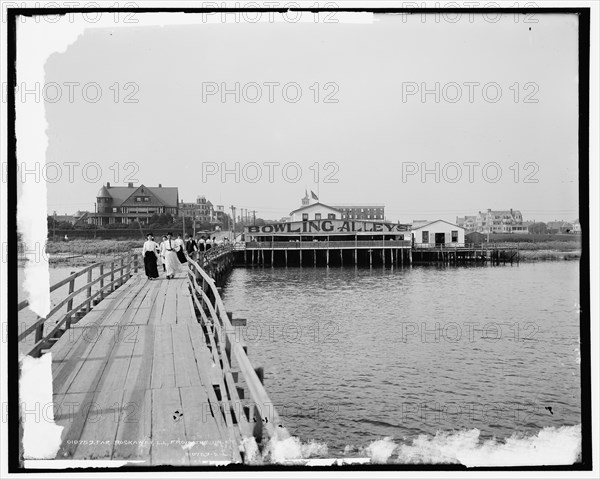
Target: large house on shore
<point>494,221</point>
<point>127,204</point>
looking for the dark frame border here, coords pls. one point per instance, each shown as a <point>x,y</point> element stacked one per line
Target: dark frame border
<point>14,465</point>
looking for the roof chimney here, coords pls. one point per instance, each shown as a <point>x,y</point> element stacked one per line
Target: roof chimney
<point>130,185</point>
<point>160,185</point>
<point>107,184</point>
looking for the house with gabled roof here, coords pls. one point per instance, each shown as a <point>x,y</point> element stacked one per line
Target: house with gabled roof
<point>559,227</point>
<point>126,204</point>
<point>437,233</point>
<point>315,211</point>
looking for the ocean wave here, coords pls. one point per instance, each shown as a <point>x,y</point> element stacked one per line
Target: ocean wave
<point>549,446</point>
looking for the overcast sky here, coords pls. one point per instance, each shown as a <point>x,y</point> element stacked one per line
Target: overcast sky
<point>375,132</point>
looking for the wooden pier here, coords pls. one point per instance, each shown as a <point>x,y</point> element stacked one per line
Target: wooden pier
<point>154,372</point>
<point>388,253</point>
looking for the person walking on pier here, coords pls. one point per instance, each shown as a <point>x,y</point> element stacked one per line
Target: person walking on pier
<point>181,251</point>
<point>190,246</point>
<point>161,248</point>
<point>171,259</point>
<point>150,257</point>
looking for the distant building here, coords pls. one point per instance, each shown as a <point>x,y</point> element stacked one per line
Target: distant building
<point>365,211</point>
<point>202,210</point>
<point>373,212</point>
<point>221,218</point>
<point>467,222</point>
<point>316,211</point>
<point>576,227</point>
<point>126,204</point>
<point>63,218</point>
<point>438,233</point>
<point>81,217</point>
<point>559,227</point>
<point>494,221</point>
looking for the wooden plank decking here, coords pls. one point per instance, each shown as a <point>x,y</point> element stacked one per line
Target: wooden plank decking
<point>133,380</point>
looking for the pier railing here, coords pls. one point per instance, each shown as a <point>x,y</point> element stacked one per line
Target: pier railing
<point>257,418</point>
<point>467,246</point>
<point>326,244</point>
<point>216,252</point>
<point>111,275</point>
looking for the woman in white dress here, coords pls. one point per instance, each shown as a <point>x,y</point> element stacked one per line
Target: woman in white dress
<point>161,253</point>
<point>170,252</point>
<point>181,251</point>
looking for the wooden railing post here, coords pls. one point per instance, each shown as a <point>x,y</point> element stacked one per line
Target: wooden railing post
<point>102,282</point>
<point>121,271</point>
<point>39,331</point>
<point>112,276</point>
<point>89,290</point>
<point>70,303</point>
<point>135,263</point>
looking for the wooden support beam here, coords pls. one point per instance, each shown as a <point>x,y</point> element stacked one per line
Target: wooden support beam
<point>260,372</point>
<point>240,391</point>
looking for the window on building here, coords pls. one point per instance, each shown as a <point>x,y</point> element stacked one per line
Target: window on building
<point>317,216</point>
<point>304,216</point>
<point>146,198</point>
<point>425,237</point>
<point>138,199</point>
<point>114,210</point>
<point>331,216</point>
<point>454,236</point>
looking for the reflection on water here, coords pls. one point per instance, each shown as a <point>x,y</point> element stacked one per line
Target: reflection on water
<point>355,355</point>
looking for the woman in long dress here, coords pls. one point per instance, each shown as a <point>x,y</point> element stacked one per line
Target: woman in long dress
<point>161,253</point>
<point>150,257</point>
<point>181,251</point>
<point>171,261</point>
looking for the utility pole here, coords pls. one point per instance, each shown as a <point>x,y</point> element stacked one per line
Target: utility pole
<point>233,221</point>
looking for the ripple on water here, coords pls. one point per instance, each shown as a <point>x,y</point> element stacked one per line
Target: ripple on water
<point>358,351</point>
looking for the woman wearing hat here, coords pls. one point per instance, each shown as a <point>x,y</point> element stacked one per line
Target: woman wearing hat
<point>150,257</point>
<point>171,261</point>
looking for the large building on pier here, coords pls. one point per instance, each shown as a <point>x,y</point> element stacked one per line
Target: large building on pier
<point>321,233</point>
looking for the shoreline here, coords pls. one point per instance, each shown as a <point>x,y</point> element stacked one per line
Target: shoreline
<point>85,252</point>
<point>526,256</point>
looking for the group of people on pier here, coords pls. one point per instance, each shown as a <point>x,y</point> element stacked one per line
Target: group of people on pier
<point>170,253</point>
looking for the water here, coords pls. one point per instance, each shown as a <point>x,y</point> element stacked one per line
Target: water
<point>354,356</point>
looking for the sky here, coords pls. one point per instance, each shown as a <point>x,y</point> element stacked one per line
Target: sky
<point>360,121</point>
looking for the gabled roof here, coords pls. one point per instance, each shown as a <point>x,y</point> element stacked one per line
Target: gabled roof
<point>435,221</point>
<point>63,218</point>
<point>119,194</point>
<point>558,224</point>
<point>315,204</point>
<point>502,212</point>
<point>168,195</point>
